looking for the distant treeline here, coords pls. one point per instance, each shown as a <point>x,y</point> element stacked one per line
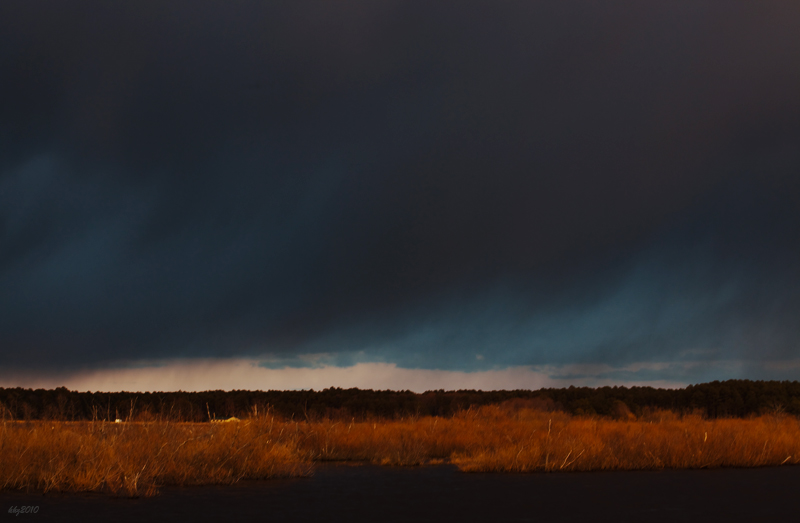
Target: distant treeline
<point>733,398</point>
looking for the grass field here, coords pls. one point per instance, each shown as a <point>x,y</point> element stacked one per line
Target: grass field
<point>136,458</point>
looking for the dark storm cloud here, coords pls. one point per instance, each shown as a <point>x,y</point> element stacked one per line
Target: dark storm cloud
<point>530,183</point>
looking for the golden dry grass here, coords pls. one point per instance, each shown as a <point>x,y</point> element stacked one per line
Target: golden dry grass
<point>136,458</point>
<point>496,439</point>
<point>558,442</point>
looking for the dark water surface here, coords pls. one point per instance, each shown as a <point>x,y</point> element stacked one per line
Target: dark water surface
<point>441,494</point>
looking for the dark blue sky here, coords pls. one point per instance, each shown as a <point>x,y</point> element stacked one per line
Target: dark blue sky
<point>461,186</point>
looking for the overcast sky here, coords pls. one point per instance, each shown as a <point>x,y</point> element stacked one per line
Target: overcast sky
<point>591,192</point>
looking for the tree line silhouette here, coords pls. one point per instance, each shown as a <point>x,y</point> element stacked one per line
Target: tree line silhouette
<point>732,398</point>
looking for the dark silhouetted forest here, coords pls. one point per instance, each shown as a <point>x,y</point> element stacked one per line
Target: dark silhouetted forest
<point>733,398</point>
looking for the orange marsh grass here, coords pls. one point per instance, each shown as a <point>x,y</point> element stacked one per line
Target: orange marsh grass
<point>136,458</point>
<point>533,441</point>
<point>495,439</point>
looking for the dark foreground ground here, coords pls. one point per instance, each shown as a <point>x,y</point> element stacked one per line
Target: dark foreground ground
<point>442,494</point>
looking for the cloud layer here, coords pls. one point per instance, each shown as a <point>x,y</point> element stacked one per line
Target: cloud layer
<point>399,184</point>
